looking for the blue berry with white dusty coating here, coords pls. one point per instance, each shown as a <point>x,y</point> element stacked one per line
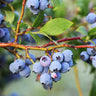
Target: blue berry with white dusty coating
<point>2,33</point>
<point>1,18</point>
<point>91,51</point>
<point>45,79</point>
<point>25,72</point>
<point>28,62</point>
<point>58,77</point>
<point>19,64</point>
<point>12,68</point>
<point>32,4</point>
<point>48,87</point>
<point>45,70</point>
<point>91,18</point>
<point>45,61</point>
<point>68,55</point>
<point>93,25</point>
<point>6,38</point>
<point>58,56</point>
<point>94,61</point>
<point>65,67</point>
<point>44,4</point>
<point>71,63</point>
<point>55,66</point>
<point>35,12</point>
<point>25,37</point>
<point>84,56</point>
<point>37,68</point>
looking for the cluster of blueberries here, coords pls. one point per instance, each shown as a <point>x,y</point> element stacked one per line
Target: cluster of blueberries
<point>89,56</point>
<point>91,18</point>
<point>36,5</point>
<point>2,5</point>
<point>48,70</point>
<point>22,67</point>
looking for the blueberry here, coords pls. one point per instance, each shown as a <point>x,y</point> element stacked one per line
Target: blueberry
<point>55,66</point>
<point>53,75</point>
<point>91,18</point>
<point>32,4</point>
<point>25,72</point>
<point>25,37</point>
<point>68,55</point>
<point>37,68</point>
<point>94,61</point>
<point>45,79</point>
<point>93,25</point>
<point>45,61</point>
<point>48,87</point>
<point>65,67</point>
<point>71,63</point>
<point>91,51</point>
<point>2,33</point>
<point>58,56</point>
<point>9,1</point>
<point>58,77</point>
<point>45,19</point>
<point>19,64</point>
<point>35,12</point>
<point>7,35</point>
<point>2,5</point>
<point>28,62</point>
<point>12,68</point>
<point>44,4</point>
<point>1,18</point>
<point>45,70</point>
<point>84,56</point>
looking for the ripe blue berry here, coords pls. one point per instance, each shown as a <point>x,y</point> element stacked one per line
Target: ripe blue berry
<point>2,33</point>
<point>93,25</point>
<point>94,61</point>
<point>84,56</point>
<point>58,56</point>
<point>68,55</point>
<point>58,77</point>
<point>35,12</point>
<point>9,1</point>
<point>91,51</point>
<point>1,18</point>
<point>7,35</point>
<point>45,70</point>
<point>28,62</point>
<point>45,61</point>
<point>19,65</point>
<point>91,18</point>
<point>44,4</point>
<point>55,66</point>
<point>45,79</point>
<point>71,63</point>
<point>32,4</point>
<point>37,68</point>
<point>65,67</point>
<point>12,68</point>
<point>25,72</point>
<point>25,37</point>
<point>45,18</point>
<point>48,87</point>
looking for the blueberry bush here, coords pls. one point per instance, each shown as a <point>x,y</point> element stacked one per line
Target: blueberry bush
<point>25,24</point>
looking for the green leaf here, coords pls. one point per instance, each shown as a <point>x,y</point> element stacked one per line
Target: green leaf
<point>35,36</point>
<point>9,16</point>
<point>39,19</point>
<point>93,89</point>
<point>82,30</point>
<point>56,26</point>
<point>23,25</point>
<point>92,32</point>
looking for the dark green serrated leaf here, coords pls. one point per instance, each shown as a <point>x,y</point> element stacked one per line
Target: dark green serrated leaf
<point>82,30</point>
<point>10,16</point>
<point>35,36</point>
<point>93,89</point>
<point>39,19</point>
<point>56,26</point>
